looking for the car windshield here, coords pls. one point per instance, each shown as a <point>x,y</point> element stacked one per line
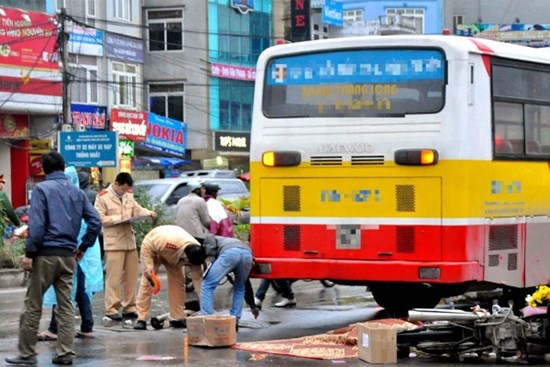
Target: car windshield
<point>154,190</point>
<point>229,187</point>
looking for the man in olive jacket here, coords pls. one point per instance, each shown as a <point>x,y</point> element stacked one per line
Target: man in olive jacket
<point>115,204</point>
<point>174,248</point>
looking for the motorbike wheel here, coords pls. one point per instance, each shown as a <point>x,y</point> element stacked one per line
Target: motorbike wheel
<point>399,297</point>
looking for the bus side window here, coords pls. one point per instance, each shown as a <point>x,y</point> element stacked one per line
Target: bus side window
<point>504,147</point>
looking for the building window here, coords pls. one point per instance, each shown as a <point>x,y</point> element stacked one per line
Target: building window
<point>416,14</point>
<point>165,29</point>
<point>122,9</point>
<point>90,8</point>
<point>355,15</point>
<point>125,80</point>
<point>84,85</point>
<point>457,20</point>
<point>241,38</point>
<point>235,105</point>
<point>167,100</point>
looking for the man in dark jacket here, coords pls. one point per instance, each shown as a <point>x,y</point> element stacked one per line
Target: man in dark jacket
<point>57,208</point>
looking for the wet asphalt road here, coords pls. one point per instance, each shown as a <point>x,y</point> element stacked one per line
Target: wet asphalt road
<point>319,309</point>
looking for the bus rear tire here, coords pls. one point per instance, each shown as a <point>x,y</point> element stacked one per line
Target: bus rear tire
<point>402,297</point>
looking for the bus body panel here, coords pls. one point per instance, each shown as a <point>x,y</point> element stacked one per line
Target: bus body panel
<point>475,218</point>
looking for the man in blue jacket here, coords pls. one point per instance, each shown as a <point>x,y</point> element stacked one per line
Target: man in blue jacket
<point>51,253</point>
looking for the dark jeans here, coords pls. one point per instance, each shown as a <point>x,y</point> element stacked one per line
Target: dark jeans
<point>284,287</point>
<point>84,306</point>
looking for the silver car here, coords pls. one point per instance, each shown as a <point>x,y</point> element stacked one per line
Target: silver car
<point>170,190</point>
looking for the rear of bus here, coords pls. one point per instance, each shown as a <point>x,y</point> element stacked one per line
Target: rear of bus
<point>357,171</point>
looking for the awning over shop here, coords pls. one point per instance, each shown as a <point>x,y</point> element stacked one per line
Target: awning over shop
<point>160,161</point>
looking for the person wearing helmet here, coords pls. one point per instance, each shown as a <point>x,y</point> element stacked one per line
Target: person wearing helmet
<point>220,222</point>
<point>192,212</point>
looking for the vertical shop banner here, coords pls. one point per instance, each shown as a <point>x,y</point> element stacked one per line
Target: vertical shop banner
<point>166,134</point>
<point>89,116</point>
<point>300,20</point>
<point>29,69</point>
<point>131,125</point>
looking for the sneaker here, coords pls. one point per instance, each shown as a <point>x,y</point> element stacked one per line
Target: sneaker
<point>114,317</point>
<point>140,325</point>
<point>129,316</point>
<point>258,302</point>
<point>21,360</point>
<point>65,361</point>
<point>286,302</point>
<point>178,324</point>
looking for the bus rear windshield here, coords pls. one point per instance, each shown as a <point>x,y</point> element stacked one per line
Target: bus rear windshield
<point>355,83</point>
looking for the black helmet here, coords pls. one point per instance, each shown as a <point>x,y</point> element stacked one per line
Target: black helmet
<point>211,188</point>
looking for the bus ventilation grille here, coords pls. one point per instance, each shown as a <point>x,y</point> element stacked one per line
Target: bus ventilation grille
<point>291,238</point>
<point>367,160</point>
<point>405,198</point>
<point>503,237</point>
<point>291,198</point>
<point>326,161</point>
<point>404,240</point>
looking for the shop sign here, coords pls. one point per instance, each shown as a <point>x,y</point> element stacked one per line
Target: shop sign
<point>29,61</point>
<point>40,146</point>
<point>35,162</point>
<point>89,148</point>
<point>231,141</point>
<point>300,20</point>
<point>89,116</point>
<point>126,148</point>
<point>124,48</point>
<point>14,126</point>
<point>233,72</point>
<point>243,6</point>
<point>86,41</point>
<point>166,134</point>
<point>332,13</point>
<point>130,125</point>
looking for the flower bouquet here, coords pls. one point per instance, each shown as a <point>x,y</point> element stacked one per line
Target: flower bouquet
<point>538,302</point>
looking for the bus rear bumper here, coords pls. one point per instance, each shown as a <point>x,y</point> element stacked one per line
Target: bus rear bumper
<point>369,271</point>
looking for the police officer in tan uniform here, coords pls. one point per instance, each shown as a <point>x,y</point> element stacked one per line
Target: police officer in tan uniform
<point>114,204</point>
<point>173,247</point>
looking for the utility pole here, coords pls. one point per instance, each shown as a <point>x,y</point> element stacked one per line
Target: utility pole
<point>63,39</point>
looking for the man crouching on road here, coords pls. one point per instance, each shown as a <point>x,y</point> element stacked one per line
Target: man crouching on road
<point>226,255</point>
<point>174,248</point>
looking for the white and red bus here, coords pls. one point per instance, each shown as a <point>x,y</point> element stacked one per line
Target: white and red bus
<point>416,165</point>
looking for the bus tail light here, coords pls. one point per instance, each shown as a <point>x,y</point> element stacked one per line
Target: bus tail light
<point>283,158</point>
<point>416,157</point>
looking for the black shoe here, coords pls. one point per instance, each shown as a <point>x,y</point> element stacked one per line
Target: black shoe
<point>21,360</point>
<point>178,324</point>
<point>65,361</point>
<point>114,317</point>
<point>140,325</point>
<point>129,316</point>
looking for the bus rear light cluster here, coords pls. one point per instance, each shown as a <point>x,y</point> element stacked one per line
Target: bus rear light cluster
<point>416,157</point>
<point>283,158</point>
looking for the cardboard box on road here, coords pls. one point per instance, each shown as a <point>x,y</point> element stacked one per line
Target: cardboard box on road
<point>212,330</point>
<point>377,342</point>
